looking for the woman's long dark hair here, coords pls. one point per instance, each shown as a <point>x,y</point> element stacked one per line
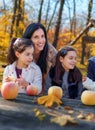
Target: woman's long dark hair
<point>42,61</point>
<point>19,45</point>
<point>74,74</point>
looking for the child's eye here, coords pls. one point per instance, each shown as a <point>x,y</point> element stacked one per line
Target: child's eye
<point>36,37</point>
<point>70,58</point>
<point>43,36</point>
<point>27,54</point>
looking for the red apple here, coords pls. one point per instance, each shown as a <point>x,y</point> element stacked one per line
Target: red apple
<point>31,90</point>
<point>9,90</point>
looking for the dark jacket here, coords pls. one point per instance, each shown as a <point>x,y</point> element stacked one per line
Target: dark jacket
<point>74,88</point>
<point>91,68</point>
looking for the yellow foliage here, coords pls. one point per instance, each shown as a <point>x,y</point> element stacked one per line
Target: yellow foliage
<point>49,100</point>
<point>41,116</point>
<point>91,46</point>
<point>64,120</point>
<point>4,39</point>
<point>54,95</point>
<point>5,29</point>
<point>92,50</point>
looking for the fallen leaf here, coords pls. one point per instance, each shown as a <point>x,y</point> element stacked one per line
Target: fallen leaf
<point>68,108</point>
<point>49,101</point>
<point>64,120</point>
<point>70,111</point>
<point>90,116</point>
<point>81,116</point>
<point>41,116</point>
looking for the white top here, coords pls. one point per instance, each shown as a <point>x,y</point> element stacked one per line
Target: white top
<point>31,74</point>
<point>89,84</point>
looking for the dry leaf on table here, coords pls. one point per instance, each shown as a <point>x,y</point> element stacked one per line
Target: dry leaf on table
<point>64,120</point>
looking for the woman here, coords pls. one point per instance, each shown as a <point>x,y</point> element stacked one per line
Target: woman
<point>65,74</point>
<point>44,53</point>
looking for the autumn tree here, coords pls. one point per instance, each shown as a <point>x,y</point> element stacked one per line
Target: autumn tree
<point>40,11</point>
<point>17,18</point>
<point>47,11</point>
<point>4,30</point>
<point>52,16</point>
<point>86,32</point>
<point>58,23</point>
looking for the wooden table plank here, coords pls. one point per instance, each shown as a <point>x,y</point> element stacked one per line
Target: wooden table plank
<point>19,114</point>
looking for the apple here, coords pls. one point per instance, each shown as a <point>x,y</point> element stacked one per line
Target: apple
<point>9,90</point>
<point>31,90</point>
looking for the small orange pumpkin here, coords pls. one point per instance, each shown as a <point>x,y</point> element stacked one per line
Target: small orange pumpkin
<point>88,97</point>
<point>56,91</point>
<point>54,96</point>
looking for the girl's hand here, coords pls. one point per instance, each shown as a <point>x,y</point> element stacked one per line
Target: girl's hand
<point>22,82</point>
<point>9,79</point>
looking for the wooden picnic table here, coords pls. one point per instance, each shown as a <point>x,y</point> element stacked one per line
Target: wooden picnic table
<point>20,114</point>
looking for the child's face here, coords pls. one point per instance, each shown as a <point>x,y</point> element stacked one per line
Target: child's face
<point>69,61</point>
<point>25,58</point>
<point>39,40</point>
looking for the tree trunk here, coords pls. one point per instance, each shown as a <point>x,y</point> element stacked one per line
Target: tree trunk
<point>52,15</point>
<point>74,18</point>
<point>58,23</point>
<point>83,51</point>
<point>40,11</point>
<point>86,33</point>
<point>47,12</point>
<point>89,11</point>
<point>13,18</point>
<point>19,17</point>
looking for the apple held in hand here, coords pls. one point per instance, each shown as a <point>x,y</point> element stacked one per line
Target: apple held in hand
<point>9,90</point>
<point>31,90</point>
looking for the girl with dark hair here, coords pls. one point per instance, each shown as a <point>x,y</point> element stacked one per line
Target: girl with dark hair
<point>44,53</point>
<point>65,74</point>
<point>21,66</point>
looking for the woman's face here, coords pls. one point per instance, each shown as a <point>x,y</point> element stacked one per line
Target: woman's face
<point>38,38</point>
<point>69,61</point>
